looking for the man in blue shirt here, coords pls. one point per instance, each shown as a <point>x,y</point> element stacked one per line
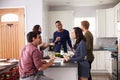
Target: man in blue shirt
<point>61,38</point>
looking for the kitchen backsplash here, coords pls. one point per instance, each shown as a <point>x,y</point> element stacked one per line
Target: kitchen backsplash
<point>105,42</point>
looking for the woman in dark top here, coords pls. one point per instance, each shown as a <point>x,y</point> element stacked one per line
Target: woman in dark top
<point>80,54</point>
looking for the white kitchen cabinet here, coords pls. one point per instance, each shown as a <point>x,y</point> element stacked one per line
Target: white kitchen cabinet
<point>102,62</point>
<point>108,61</point>
<point>117,18</point>
<point>101,22</point>
<point>66,17</point>
<point>117,7</point>
<point>62,73</point>
<point>110,23</point>
<point>94,64</point>
<point>106,23</point>
<point>99,64</point>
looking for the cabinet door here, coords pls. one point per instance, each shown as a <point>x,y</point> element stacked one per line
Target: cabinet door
<point>110,23</point>
<point>94,64</point>
<point>108,61</point>
<point>118,12</point>
<point>117,18</point>
<point>101,60</point>
<point>101,22</point>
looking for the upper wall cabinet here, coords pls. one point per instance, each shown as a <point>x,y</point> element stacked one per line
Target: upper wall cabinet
<point>101,22</point>
<point>66,17</point>
<point>105,23</point>
<point>110,23</point>
<point>117,12</point>
<point>117,17</point>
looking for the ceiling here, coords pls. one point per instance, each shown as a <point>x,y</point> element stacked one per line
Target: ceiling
<point>81,2</point>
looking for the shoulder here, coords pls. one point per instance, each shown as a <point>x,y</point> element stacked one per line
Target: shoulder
<point>31,47</point>
<point>82,43</point>
<point>66,31</point>
<point>88,34</point>
<point>55,32</point>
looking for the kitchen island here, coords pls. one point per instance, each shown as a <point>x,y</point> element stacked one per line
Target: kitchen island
<point>62,71</point>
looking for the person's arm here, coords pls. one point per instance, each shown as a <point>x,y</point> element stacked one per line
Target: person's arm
<point>46,65</point>
<point>69,41</point>
<point>37,57</point>
<point>54,37</point>
<point>43,46</point>
<point>80,53</point>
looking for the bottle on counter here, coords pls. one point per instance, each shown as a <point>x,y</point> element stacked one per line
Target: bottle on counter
<point>62,50</point>
<point>116,45</point>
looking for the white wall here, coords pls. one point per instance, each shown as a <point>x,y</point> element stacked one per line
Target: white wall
<point>66,17</point>
<point>45,19</point>
<point>89,11</point>
<point>33,11</point>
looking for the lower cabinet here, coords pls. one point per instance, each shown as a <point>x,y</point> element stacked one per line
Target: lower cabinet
<point>62,73</point>
<point>102,62</point>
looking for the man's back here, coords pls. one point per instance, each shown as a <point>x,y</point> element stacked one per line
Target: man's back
<point>89,38</point>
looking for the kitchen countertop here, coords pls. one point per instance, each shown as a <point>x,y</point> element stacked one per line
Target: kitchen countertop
<point>113,50</point>
<point>62,65</point>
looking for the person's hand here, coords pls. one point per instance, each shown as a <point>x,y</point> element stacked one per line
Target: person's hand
<point>51,61</point>
<point>51,44</point>
<point>44,62</point>
<point>57,39</point>
<point>71,49</point>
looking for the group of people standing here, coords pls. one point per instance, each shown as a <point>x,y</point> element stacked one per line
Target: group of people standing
<point>31,66</point>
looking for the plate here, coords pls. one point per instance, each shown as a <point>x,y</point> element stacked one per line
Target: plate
<point>3,59</point>
<point>14,60</point>
<point>58,60</point>
<point>4,64</point>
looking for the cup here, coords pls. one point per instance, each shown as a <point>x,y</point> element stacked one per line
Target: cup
<point>58,38</point>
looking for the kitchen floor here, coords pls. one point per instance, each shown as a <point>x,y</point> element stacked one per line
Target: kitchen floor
<point>100,76</point>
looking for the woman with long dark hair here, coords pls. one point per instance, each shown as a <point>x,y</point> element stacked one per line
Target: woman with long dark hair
<point>80,54</point>
<point>36,28</point>
<point>43,45</point>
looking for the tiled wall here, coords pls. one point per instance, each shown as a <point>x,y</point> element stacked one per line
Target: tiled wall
<point>105,42</point>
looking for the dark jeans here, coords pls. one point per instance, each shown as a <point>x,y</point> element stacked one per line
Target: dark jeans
<point>90,63</point>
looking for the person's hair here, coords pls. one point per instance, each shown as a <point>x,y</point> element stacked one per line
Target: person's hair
<point>36,28</point>
<point>32,35</point>
<point>58,22</point>
<point>85,24</point>
<point>79,35</point>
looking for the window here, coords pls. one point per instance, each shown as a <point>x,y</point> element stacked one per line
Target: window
<point>9,18</point>
<point>91,20</point>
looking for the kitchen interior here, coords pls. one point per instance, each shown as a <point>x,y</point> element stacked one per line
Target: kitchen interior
<point>104,18</point>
